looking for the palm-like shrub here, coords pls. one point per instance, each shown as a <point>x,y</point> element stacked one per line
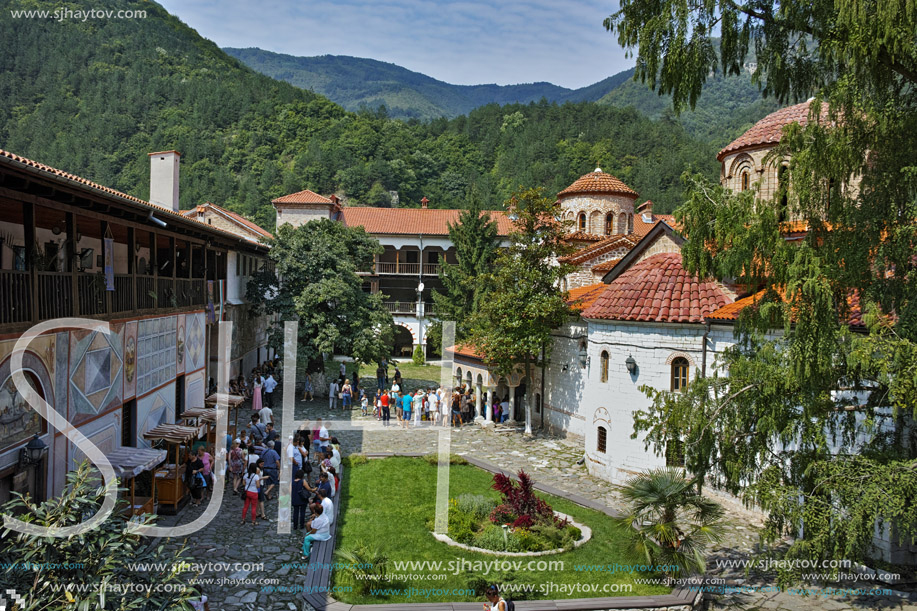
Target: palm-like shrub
<point>668,522</point>
<point>365,566</point>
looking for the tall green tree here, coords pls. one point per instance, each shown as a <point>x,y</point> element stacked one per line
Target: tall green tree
<point>814,422</point>
<point>465,282</point>
<point>513,325</point>
<point>316,282</point>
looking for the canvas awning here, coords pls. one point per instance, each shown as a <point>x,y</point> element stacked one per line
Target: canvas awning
<point>224,398</point>
<point>173,433</point>
<point>131,462</point>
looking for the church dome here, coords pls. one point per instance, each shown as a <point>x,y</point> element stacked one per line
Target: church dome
<point>596,183</point>
<point>767,131</point>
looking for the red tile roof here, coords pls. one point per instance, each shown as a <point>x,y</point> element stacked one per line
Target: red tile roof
<point>600,248</point>
<point>642,228</point>
<point>768,130</point>
<point>658,289</point>
<point>302,197</point>
<point>730,312</point>
<point>597,182</point>
<point>581,298</point>
<point>582,236</point>
<point>606,266</point>
<point>413,221</point>
<point>86,183</point>
<point>238,218</point>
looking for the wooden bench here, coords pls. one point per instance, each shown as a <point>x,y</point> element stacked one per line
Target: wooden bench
<point>318,574</point>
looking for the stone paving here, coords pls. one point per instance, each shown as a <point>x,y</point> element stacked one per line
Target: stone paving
<point>549,459</point>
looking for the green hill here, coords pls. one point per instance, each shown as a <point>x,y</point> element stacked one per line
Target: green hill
<point>355,82</point>
<point>728,107</point>
<point>126,87</point>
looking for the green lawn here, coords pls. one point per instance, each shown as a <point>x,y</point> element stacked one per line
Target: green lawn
<point>415,376</point>
<point>388,503</point>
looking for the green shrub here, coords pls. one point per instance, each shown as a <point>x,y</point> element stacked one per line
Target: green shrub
<point>476,505</point>
<point>491,538</point>
<point>454,459</point>
<point>418,356</point>
<point>523,540</point>
<point>352,460</point>
<point>365,567</point>
<point>478,583</point>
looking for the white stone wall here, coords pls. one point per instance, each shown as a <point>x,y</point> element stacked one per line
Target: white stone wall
<point>611,404</point>
<point>565,382</point>
<point>300,215</point>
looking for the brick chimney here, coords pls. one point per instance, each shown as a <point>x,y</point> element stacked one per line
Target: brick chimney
<point>164,179</point>
<point>424,202</point>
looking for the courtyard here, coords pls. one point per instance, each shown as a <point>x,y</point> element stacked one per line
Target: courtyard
<point>275,573</point>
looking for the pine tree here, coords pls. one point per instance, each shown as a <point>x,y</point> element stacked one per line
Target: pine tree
<point>465,283</point>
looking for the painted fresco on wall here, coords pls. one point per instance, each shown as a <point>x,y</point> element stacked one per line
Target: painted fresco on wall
<point>18,421</point>
<point>154,409</point>
<point>105,433</point>
<point>155,353</point>
<point>130,359</point>
<point>180,345</point>
<point>95,372</point>
<point>194,390</point>
<point>194,341</point>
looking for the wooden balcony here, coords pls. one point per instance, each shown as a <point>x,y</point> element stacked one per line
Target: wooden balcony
<point>54,296</point>
<point>391,268</point>
<point>409,307</point>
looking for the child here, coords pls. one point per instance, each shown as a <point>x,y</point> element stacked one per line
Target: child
<point>364,401</point>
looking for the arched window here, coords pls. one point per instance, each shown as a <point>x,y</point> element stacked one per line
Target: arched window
<point>622,223</point>
<point>603,366</point>
<point>744,178</point>
<point>679,374</point>
<point>609,224</point>
<point>601,439</point>
<point>581,222</point>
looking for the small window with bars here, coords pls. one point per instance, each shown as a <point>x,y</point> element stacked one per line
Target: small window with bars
<point>601,439</point>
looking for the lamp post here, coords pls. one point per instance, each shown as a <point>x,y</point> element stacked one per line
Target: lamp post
<point>421,338</point>
<point>33,452</point>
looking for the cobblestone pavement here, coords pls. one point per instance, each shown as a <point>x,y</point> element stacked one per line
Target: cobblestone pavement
<point>548,459</point>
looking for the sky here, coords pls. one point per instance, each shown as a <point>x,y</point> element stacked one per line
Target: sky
<point>465,42</point>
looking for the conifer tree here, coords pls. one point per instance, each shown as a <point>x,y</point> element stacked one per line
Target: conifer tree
<point>465,284</point>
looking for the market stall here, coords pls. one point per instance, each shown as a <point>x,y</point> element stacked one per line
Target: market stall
<point>168,482</point>
<point>234,402</point>
<point>205,420</point>
<point>128,463</point>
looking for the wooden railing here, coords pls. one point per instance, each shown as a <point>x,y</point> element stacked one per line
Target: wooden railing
<point>15,296</point>
<point>55,295</point>
<point>408,307</point>
<point>388,268</point>
<point>122,298</point>
<point>145,293</point>
<point>91,294</point>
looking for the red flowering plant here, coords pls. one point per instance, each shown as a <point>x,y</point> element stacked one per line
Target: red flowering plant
<point>520,506</point>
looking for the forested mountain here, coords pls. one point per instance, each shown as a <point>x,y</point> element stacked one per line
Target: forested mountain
<point>126,87</point>
<point>729,104</point>
<point>355,82</point>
